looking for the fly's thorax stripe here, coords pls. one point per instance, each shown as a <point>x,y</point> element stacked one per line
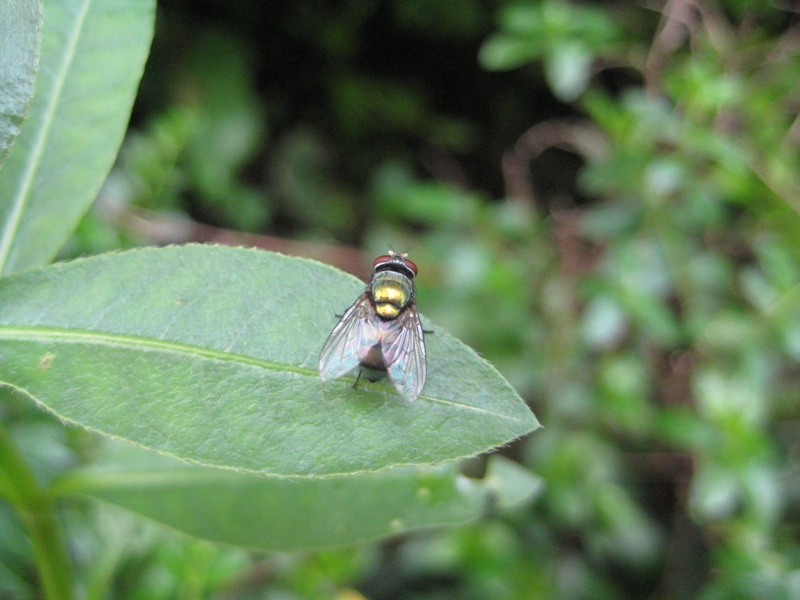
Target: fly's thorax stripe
<point>391,292</point>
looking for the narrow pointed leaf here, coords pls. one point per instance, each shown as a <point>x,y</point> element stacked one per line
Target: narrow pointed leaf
<point>511,484</point>
<point>20,34</point>
<point>278,513</point>
<point>210,354</point>
<point>93,53</point>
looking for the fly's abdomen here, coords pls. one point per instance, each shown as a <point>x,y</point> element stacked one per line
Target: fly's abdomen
<point>373,359</point>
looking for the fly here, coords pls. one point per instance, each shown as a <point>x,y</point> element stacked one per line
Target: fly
<point>381,333</point>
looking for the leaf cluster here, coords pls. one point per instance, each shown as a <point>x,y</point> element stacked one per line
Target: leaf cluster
<point>602,199</point>
<point>197,363</point>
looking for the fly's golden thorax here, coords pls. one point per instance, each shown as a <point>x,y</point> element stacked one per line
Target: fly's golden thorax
<point>391,292</point>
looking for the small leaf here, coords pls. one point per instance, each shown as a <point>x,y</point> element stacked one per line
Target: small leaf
<point>568,69</point>
<point>210,354</point>
<point>93,53</point>
<point>525,20</point>
<point>511,483</point>
<point>502,52</point>
<point>20,35</point>
<point>276,513</point>
<point>399,194</point>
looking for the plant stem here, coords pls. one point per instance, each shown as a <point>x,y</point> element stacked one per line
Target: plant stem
<point>37,511</point>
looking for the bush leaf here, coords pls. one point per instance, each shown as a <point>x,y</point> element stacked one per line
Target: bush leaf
<point>20,35</point>
<point>93,53</point>
<point>276,513</point>
<point>210,354</point>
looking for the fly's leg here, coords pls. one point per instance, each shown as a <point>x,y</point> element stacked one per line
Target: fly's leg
<point>357,378</point>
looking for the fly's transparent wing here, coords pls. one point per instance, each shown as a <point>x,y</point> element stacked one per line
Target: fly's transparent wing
<point>357,330</point>
<point>404,353</point>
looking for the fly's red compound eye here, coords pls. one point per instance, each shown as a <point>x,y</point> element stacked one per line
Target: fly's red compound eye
<point>397,259</point>
<point>411,265</point>
<point>381,260</point>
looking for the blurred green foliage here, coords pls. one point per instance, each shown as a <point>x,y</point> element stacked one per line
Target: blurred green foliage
<point>602,199</point>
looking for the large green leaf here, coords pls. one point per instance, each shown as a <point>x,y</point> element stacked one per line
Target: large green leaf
<point>210,354</point>
<point>278,513</point>
<point>20,33</point>
<point>93,53</point>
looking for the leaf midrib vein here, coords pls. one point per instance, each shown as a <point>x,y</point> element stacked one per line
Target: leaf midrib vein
<point>23,196</point>
<point>132,341</point>
<point>103,480</point>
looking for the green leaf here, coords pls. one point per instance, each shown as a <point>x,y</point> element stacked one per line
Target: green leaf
<point>93,53</point>
<point>210,354</point>
<point>20,35</point>
<point>526,20</point>
<point>511,484</point>
<point>401,195</point>
<point>502,53</point>
<point>276,513</point>
<point>568,69</point>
